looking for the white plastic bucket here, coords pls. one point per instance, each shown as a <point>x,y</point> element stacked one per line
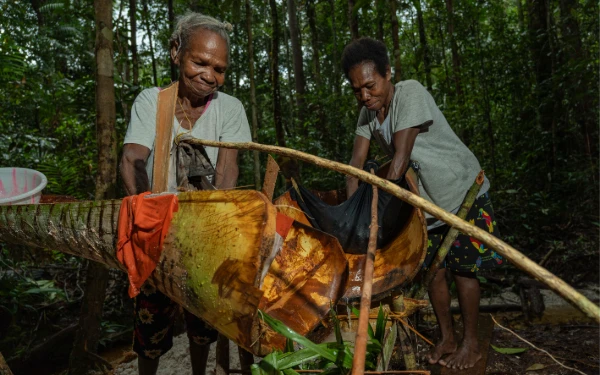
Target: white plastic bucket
<point>21,186</point>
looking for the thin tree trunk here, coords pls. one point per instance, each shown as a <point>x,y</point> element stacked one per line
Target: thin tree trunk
<point>314,38</point>
<point>352,20</point>
<point>424,46</point>
<point>171,28</point>
<point>380,11</point>
<point>447,83</point>
<point>288,166</point>
<point>486,102</point>
<point>123,67</point>
<point>88,334</point>
<point>542,61</point>
<point>279,133</point>
<point>134,53</point>
<point>336,73</point>
<point>290,113</point>
<point>252,93</point>
<point>520,16</point>
<point>146,20</point>
<point>396,42</point>
<point>571,44</point>
<point>454,48</point>
<point>299,81</point>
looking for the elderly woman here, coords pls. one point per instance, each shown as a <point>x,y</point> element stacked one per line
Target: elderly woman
<point>200,48</point>
<point>405,121</point>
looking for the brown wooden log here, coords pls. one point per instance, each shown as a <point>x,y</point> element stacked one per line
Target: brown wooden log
<point>510,253</point>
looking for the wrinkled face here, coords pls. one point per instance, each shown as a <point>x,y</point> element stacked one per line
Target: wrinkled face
<point>370,88</point>
<point>203,62</point>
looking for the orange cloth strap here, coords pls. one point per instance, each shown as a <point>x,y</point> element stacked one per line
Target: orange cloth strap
<point>165,112</point>
<point>143,226</point>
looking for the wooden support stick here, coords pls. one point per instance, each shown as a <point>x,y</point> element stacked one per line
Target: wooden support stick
<point>360,345</point>
<point>510,253</point>
<point>270,178</point>
<point>450,237</point>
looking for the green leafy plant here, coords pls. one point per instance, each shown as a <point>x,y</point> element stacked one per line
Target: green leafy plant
<point>333,357</point>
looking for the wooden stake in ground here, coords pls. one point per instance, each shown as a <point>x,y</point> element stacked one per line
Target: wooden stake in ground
<point>450,237</point>
<point>360,345</point>
<point>510,253</point>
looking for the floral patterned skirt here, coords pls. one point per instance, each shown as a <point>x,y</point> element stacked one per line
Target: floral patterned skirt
<point>154,320</point>
<point>468,254</point>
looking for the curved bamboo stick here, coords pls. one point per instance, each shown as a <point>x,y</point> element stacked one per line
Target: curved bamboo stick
<point>513,255</point>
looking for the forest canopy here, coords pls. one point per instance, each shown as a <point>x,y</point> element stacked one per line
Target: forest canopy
<point>517,80</point>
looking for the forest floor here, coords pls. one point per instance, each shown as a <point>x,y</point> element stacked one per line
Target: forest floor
<point>563,331</point>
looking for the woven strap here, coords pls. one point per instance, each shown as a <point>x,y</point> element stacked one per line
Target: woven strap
<point>167,98</point>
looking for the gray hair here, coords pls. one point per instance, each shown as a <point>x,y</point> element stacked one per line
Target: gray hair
<point>190,22</point>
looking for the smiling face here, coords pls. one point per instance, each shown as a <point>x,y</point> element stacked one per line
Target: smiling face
<point>370,88</point>
<point>202,63</point>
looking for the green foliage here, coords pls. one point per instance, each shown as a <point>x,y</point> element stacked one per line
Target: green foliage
<point>335,358</point>
<point>509,350</point>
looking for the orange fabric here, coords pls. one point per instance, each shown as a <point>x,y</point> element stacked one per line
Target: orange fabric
<point>283,224</point>
<point>143,225</point>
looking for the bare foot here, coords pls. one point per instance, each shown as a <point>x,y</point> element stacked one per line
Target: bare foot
<point>440,349</point>
<point>464,357</point>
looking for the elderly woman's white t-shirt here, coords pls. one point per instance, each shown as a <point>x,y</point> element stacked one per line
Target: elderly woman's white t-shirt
<point>224,119</point>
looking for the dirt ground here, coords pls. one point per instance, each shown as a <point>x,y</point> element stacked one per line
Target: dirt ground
<point>562,331</point>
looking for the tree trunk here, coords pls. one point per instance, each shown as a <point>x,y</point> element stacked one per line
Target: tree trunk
<point>487,108</point>
<point>252,93</point>
<point>454,48</point>
<point>540,52</point>
<point>380,11</point>
<point>88,334</point>
<point>299,81</point>
<point>396,42</point>
<point>336,79</point>
<point>171,28</point>
<point>424,46</point>
<point>134,53</point>
<point>520,16</point>
<point>352,20</point>
<point>123,70</point>
<point>146,20</point>
<point>276,90</point>
<point>314,38</point>
<point>288,166</point>
<point>571,44</point>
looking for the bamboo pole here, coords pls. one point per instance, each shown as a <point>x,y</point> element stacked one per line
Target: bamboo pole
<point>450,237</point>
<point>360,345</point>
<point>510,253</point>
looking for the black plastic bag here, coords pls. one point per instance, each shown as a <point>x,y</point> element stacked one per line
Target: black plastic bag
<point>349,221</point>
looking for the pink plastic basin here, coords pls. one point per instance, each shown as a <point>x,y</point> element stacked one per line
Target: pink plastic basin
<point>21,186</point>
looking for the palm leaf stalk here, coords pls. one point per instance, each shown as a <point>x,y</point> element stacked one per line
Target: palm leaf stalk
<point>218,259</point>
